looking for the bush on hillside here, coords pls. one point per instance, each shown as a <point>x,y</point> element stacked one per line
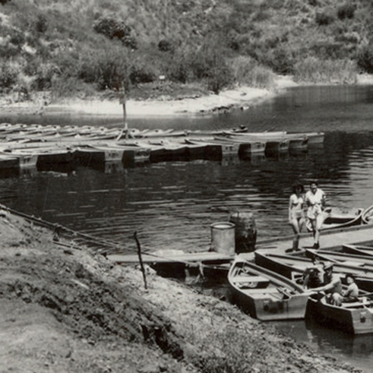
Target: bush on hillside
<point>324,19</point>
<point>165,45</point>
<point>115,28</point>
<point>315,70</point>
<point>365,58</point>
<point>3,2</point>
<point>8,77</point>
<point>41,24</point>
<point>247,72</point>
<point>346,10</point>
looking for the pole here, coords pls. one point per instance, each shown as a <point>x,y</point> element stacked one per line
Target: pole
<point>140,259</point>
<point>122,101</point>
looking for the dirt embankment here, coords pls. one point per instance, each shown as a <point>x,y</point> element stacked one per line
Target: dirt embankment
<point>64,309</point>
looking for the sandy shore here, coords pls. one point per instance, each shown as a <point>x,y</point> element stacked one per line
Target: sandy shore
<point>239,97</point>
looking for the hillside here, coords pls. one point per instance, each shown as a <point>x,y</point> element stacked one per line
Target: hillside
<point>88,47</point>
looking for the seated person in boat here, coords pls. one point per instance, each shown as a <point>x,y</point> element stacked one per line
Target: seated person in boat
<point>350,294</point>
<point>332,285</point>
<point>312,277</point>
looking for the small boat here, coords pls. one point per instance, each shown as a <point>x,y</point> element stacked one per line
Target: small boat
<point>367,215</point>
<point>246,147</point>
<point>338,218</point>
<point>354,318</point>
<point>357,260</point>
<point>361,250</point>
<point>293,267</point>
<point>266,295</point>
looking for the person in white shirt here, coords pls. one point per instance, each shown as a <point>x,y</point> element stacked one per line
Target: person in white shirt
<point>315,200</point>
<point>296,213</point>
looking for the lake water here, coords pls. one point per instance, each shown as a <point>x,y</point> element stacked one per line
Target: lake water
<point>171,205</point>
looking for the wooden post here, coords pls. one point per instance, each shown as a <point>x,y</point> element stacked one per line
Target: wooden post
<point>122,101</point>
<point>140,259</point>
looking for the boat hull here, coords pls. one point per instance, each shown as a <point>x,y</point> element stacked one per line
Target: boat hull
<point>257,292</point>
<point>356,320</point>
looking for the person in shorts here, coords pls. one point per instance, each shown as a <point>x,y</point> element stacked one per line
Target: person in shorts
<point>315,201</point>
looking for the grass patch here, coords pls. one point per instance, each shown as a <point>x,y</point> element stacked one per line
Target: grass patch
<point>313,70</point>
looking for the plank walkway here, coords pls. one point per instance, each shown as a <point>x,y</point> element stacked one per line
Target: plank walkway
<point>329,240</point>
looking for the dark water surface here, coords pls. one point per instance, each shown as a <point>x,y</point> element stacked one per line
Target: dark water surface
<point>172,204</point>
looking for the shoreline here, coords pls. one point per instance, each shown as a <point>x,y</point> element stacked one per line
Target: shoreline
<point>241,97</point>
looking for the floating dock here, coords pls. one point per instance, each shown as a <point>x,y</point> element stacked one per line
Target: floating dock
<point>332,239</point>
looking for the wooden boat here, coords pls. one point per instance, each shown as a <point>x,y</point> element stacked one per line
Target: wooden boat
<point>314,138</point>
<point>360,261</point>
<point>358,250</point>
<point>246,147</point>
<point>8,161</point>
<point>367,215</point>
<point>25,158</point>
<point>266,295</point>
<point>338,218</point>
<point>293,267</point>
<point>354,318</point>
<point>215,149</point>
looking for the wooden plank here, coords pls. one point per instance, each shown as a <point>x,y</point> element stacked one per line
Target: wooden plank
<point>178,258</point>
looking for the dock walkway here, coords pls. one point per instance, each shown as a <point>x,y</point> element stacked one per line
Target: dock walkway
<point>331,239</point>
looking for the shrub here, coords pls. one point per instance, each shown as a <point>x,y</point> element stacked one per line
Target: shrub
<point>325,71</point>
<point>8,76</point>
<point>324,19</point>
<point>3,2</point>
<point>346,11</point>
<point>41,24</point>
<point>246,71</point>
<point>365,58</point>
<point>112,28</point>
<point>165,45</point>
<point>141,74</point>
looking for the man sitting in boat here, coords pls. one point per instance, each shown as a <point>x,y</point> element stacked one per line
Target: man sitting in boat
<point>351,294</point>
<point>332,285</point>
<point>313,277</point>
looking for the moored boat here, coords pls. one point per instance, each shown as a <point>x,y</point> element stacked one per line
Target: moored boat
<point>293,267</point>
<point>266,295</point>
<point>362,250</point>
<point>367,215</point>
<point>338,218</point>
<point>354,318</point>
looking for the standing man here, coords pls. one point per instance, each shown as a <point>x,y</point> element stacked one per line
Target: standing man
<point>315,200</point>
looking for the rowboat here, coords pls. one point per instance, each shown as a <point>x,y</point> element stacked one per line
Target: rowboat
<point>216,149</point>
<point>355,318</point>
<point>367,215</point>
<point>246,147</point>
<point>294,267</point>
<point>266,295</point>
<point>338,218</point>
<point>358,250</point>
<point>360,261</point>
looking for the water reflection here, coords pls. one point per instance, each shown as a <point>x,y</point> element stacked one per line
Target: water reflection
<point>357,350</point>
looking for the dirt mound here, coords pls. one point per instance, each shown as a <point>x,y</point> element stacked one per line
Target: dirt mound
<point>71,310</point>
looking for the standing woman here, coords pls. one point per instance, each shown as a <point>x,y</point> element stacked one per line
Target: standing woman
<point>296,213</point>
<point>315,199</point>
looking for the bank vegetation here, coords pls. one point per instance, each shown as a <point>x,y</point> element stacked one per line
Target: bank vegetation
<point>80,48</point>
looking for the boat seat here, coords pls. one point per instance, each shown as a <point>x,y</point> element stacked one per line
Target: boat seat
<point>246,279</point>
<point>356,304</point>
